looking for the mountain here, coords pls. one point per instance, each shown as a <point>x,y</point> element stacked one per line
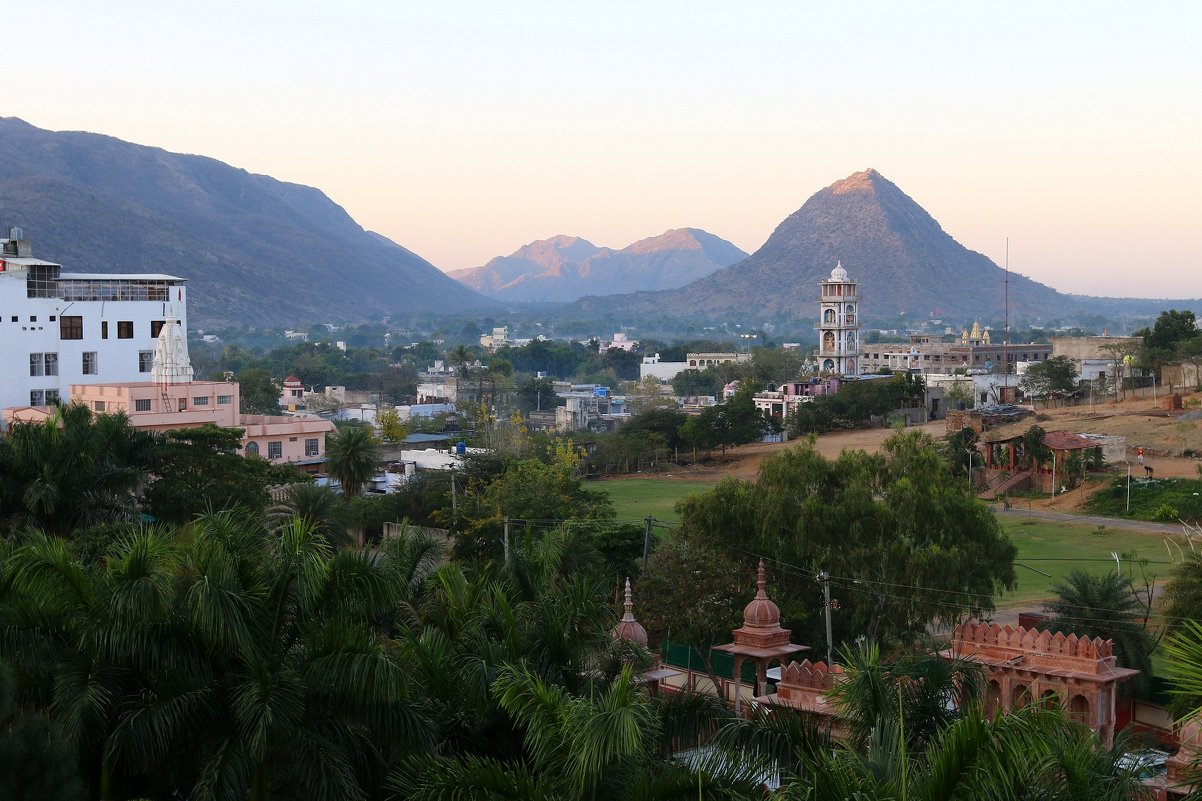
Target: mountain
<point>903,259</point>
<point>255,250</point>
<point>564,268</point>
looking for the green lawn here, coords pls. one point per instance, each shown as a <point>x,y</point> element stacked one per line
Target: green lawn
<point>635,498</point>
<point>1058,548</point>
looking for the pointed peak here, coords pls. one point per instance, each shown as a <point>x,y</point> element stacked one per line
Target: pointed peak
<point>864,181</point>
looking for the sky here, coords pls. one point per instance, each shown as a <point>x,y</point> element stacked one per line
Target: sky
<point>465,130</point>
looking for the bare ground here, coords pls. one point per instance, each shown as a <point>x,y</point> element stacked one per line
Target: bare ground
<point>1143,422</point>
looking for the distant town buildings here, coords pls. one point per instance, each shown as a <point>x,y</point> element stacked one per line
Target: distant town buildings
<point>499,338</point>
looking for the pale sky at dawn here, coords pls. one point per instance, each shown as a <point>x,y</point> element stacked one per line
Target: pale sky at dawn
<point>464,130</point>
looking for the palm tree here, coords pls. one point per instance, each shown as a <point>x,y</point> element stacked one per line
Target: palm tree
<point>921,692</point>
<point>223,664</point>
<point>1107,607</point>
<point>317,505</point>
<point>351,459</point>
<point>73,470</point>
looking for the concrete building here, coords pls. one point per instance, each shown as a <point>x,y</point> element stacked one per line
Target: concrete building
<point>664,371</point>
<point>499,338</point>
<point>700,361</point>
<point>973,352</point>
<point>619,342</point>
<point>58,329</point>
<point>173,400</point>
<point>839,324</point>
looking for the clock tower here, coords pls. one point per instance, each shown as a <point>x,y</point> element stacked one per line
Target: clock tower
<point>839,324</point>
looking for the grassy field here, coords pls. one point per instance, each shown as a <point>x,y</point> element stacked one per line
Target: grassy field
<point>1058,548</point>
<point>1053,548</point>
<point>635,498</point>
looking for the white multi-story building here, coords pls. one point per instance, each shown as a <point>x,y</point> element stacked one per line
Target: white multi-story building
<point>59,329</point>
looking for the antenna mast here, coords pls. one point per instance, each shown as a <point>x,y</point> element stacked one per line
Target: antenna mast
<point>1006,345</point>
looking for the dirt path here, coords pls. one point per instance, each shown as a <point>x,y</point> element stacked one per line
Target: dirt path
<point>1091,520</point>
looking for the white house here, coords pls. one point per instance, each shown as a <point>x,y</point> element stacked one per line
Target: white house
<point>59,328</point>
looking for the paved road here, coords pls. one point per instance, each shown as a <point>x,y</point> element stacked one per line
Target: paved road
<point>1091,520</point>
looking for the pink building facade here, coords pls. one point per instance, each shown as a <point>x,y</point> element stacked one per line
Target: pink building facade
<point>278,439</point>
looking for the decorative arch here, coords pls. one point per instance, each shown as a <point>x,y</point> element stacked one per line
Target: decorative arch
<point>828,317</point>
<point>1020,696</point>
<point>1078,708</point>
<point>828,364</point>
<point>828,341</point>
<point>252,448</point>
<point>993,698</point>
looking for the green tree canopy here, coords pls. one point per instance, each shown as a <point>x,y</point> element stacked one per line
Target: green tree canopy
<point>904,542</point>
<point>1053,378</point>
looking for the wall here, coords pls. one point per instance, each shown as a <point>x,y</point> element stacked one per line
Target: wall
<point>1082,348</point>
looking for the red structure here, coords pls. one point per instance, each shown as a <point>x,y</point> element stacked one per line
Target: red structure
<point>806,686</point>
<point>1032,665</point>
<point>760,639</point>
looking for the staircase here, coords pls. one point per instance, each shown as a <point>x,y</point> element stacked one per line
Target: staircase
<point>1003,486</point>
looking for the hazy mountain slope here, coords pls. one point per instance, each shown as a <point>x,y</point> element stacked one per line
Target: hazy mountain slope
<point>254,250</point>
<point>902,258</point>
<point>564,268</point>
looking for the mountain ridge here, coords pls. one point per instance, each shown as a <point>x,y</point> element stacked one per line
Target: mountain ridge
<point>901,256</point>
<point>253,248</point>
<point>564,268</point>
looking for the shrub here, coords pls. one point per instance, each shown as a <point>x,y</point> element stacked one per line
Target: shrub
<point>1166,512</point>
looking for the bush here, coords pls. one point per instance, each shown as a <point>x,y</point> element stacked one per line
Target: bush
<point>1166,512</point>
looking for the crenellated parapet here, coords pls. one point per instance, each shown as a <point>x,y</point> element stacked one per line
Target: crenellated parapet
<point>809,675</point>
<point>994,642</point>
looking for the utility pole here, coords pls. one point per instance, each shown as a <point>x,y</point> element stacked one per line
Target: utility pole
<point>505,543</point>
<point>647,540</point>
<point>454,498</point>
<point>825,578</point>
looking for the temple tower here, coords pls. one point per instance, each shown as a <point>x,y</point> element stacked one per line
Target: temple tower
<point>839,324</point>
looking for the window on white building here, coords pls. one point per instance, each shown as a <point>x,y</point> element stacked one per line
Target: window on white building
<point>104,329</point>
<point>145,360</point>
<point>275,450</point>
<point>36,366</point>
<point>52,398</point>
<point>37,397</point>
<point>155,327</point>
<point>91,365</point>
<point>225,400</point>
<point>142,405</point>
<point>125,329</point>
<point>311,446</point>
<point>70,327</point>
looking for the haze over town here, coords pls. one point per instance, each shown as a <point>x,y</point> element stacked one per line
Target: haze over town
<point>464,132</point>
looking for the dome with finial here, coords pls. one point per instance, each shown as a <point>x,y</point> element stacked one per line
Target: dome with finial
<point>838,274</point>
<point>761,612</point>
<point>628,628</point>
